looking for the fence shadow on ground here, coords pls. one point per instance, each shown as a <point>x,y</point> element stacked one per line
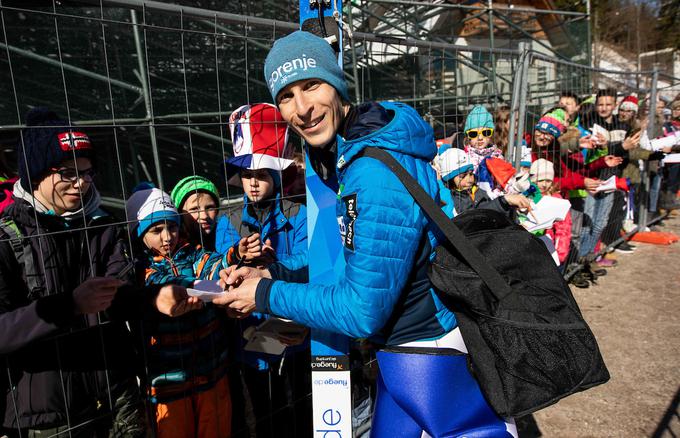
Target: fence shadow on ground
<point>670,422</point>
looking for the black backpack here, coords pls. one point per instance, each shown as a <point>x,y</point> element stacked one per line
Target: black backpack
<point>527,341</point>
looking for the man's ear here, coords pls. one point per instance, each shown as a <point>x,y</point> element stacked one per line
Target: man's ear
<point>346,106</point>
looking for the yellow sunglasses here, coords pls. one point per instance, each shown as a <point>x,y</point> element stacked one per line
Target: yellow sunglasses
<point>482,132</point>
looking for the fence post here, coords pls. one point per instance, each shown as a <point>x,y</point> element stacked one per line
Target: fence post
<point>651,129</point>
<point>143,78</point>
<point>514,103</point>
<point>523,92</point>
<point>494,85</point>
<point>353,52</point>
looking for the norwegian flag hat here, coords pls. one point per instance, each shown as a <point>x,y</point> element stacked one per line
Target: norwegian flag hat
<point>260,138</point>
<point>47,141</point>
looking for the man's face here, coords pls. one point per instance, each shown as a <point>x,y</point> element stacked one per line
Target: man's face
<point>570,105</point>
<point>65,186</point>
<point>605,106</point>
<point>257,184</point>
<point>542,139</point>
<point>162,238</point>
<point>199,211</point>
<point>313,109</point>
<point>626,115</point>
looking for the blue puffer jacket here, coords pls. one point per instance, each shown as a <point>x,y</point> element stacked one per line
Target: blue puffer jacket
<point>384,293</point>
<point>285,225</point>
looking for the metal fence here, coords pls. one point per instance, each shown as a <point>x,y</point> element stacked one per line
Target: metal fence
<point>153,85</point>
<point>543,81</point>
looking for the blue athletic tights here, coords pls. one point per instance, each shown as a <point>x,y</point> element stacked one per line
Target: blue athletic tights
<point>429,392</point>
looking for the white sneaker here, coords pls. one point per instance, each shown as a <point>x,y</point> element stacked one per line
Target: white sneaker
<point>628,225</point>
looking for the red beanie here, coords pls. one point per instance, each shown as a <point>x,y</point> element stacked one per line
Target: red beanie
<point>629,103</point>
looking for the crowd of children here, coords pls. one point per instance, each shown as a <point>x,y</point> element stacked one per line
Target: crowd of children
<point>198,377</point>
<point>589,152</point>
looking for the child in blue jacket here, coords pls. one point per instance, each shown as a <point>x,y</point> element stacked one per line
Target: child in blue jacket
<point>186,356</point>
<point>269,230</point>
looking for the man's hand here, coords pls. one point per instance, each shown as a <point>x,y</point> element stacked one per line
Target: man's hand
<point>95,294</point>
<point>612,160</point>
<point>241,300</point>
<point>519,201</point>
<point>172,300</point>
<point>232,277</point>
<point>632,142</point>
<point>591,185</point>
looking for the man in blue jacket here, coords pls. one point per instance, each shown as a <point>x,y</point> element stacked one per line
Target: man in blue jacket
<point>424,385</point>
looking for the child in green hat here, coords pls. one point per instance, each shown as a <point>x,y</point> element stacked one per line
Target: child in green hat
<point>197,201</point>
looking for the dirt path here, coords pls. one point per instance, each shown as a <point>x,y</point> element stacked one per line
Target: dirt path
<point>634,312</point>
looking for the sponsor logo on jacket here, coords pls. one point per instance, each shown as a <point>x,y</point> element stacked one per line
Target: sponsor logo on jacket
<point>346,223</point>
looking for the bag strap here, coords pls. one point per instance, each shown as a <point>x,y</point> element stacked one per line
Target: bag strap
<point>497,286</point>
<point>14,236</point>
<point>22,252</point>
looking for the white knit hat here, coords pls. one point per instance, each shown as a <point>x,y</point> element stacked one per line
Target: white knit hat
<point>542,169</point>
<point>149,206</point>
<point>453,162</point>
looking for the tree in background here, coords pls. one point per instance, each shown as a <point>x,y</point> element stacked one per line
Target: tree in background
<point>669,24</point>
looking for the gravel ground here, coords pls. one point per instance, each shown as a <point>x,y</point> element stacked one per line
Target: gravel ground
<point>634,312</point>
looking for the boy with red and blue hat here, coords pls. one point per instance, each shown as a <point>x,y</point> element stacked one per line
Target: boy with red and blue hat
<point>269,231</point>
<point>269,228</point>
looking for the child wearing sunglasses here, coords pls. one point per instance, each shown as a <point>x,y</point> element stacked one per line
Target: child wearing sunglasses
<point>479,129</point>
<point>458,176</point>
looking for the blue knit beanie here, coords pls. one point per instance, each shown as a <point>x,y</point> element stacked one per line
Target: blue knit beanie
<point>479,117</point>
<point>47,141</point>
<point>302,55</point>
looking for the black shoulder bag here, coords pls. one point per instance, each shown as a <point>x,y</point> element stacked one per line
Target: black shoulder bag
<point>528,343</point>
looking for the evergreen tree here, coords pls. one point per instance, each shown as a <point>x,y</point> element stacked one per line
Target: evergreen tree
<point>669,24</point>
